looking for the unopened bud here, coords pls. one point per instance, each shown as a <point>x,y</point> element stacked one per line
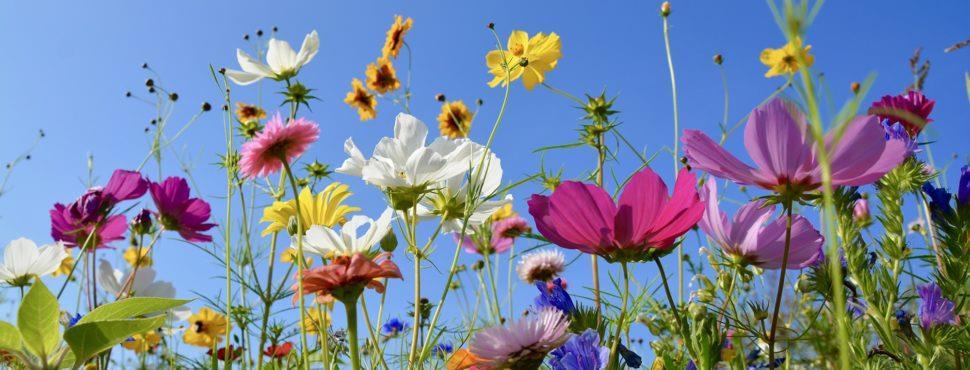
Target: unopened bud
<point>491,25</point>
<point>173,97</point>
<point>718,59</point>
<point>439,97</point>
<point>206,107</point>
<point>389,242</point>
<point>149,82</point>
<point>855,87</point>
<point>479,102</point>
<point>259,33</point>
<point>665,9</point>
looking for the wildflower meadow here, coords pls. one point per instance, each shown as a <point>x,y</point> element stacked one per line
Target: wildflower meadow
<point>651,185</point>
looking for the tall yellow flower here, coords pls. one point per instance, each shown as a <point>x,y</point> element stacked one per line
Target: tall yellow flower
<point>132,257</point>
<point>141,343</point>
<point>395,36</point>
<point>455,120</point>
<point>206,327</point>
<point>785,60</point>
<point>317,319</point>
<point>363,100</point>
<point>324,209</point>
<point>528,58</point>
<point>381,76</point>
<point>67,264</point>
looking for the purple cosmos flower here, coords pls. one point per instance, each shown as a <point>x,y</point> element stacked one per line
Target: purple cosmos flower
<point>750,237</point>
<point>521,344</point>
<point>581,352</point>
<point>555,296</point>
<point>778,141</point>
<point>87,218</point>
<point>177,212</point>
<point>124,185</point>
<point>934,309</point>
<point>911,110</point>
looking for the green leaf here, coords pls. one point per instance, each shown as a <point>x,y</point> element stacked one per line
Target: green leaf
<point>38,321</point>
<point>9,337</point>
<point>89,339</point>
<point>131,307</point>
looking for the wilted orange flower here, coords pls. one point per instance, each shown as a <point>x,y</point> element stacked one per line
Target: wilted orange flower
<point>363,100</point>
<point>348,276</point>
<point>381,76</point>
<point>395,36</point>
<point>248,112</point>
<point>455,120</point>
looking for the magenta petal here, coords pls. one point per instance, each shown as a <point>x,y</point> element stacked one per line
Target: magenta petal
<point>777,141</point>
<point>113,229</point>
<point>576,216</point>
<point>863,155</point>
<point>642,199</point>
<point>681,213</point>
<point>548,224</point>
<point>805,248</point>
<point>706,155</point>
<point>125,185</point>
<point>714,222</point>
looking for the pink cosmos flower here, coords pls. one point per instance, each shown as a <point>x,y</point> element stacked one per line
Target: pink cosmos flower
<point>503,234</point>
<point>177,212</point>
<point>523,344</point>
<point>347,274</point>
<point>777,139</point>
<point>72,224</point>
<point>583,217</point>
<point>912,110</point>
<point>262,155</point>
<point>752,239</point>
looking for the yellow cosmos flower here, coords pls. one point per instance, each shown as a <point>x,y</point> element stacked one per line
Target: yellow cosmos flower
<point>363,100</point>
<point>132,255</point>
<point>785,60</point>
<point>395,36</point>
<point>381,76</point>
<point>67,264</point>
<point>141,343</point>
<point>317,319</point>
<point>324,209</point>
<point>289,255</point>
<point>248,112</point>
<point>528,58</point>
<point>503,213</point>
<point>455,120</point>
<point>205,328</point>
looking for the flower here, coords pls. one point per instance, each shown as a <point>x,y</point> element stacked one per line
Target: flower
<point>346,277</point>
<point>860,211</point>
<point>263,155</point>
<point>939,200</point>
<point>393,327</point>
<point>234,353</point>
<point>581,352</point>
<point>503,212</point>
<point>442,349</point>
<point>963,191</point>
<point>76,225</point>
<point>22,260</point>
<point>911,110</point>
<point>583,217</point>
<point>506,230</point>
<point>142,223</point>
<point>137,257</point>
<point>324,209</point>
<point>463,359</point>
<point>543,266</point>
<point>279,351</point>
<point>788,59</point>
<point>289,255</point>
<point>144,342</point>
<point>281,61</point>
<point>554,295</point>
<point>934,308</point>
<point>363,100</point>
<point>249,112</point>
<point>67,264</point>
<point>455,120</point>
<point>468,192</point>
<point>207,327</point>
<point>752,239</point>
<point>381,76</point>
<point>123,185</point>
<point>528,58</point>
<point>317,320</point>
<point>776,138</point>
<point>177,212</point>
<point>395,36</point>
<point>142,285</point>
<point>524,343</point>
<point>327,242</point>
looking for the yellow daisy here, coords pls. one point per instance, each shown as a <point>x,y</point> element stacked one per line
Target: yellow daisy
<point>785,60</point>
<point>206,327</point>
<point>503,213</point>
<point>395,36</point>
<point>455,120</point>
<point>381,76</point>
<point>141,343</point>
<point>248,112</point>
<point>65,268</point>
<point>317,319</point>
<point>324,209</point>
<point>528,58</point>
<point>132,257</point>
<point>363,100</point>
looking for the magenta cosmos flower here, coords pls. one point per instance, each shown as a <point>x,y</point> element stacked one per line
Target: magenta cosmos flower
<point>777,139</point>
<point>751,238</point>
<point>88,219</point>
<point>912,110</point>
<point>583,217</point>
<point>263,155</point>
<point>177,212</point>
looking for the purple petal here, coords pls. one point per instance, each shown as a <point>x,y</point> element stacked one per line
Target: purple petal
<point>777,141</point>
<point>706,155</point>
<point>863,155</point>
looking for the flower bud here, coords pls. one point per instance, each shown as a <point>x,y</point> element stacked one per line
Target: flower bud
<point>665,9</point>
<point>855,87</point>
<point>389,242</point>
<point>206,107</point>
<point>860,212</point>
<point>718,59</point>
<point>440,97</point>
<point>142,223</point>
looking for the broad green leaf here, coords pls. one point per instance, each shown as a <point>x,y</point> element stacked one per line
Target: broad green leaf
<point>38,321</point>
<point>9,337</point>
<point>89,339</point>
<point>131,307</point>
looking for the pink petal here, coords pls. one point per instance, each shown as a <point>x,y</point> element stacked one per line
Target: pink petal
<point>805,248</point>
<point>641,201</point>
<point>679,214</point>
<point>777,141</point>
<point>706,155</point>
<point>863,155</point>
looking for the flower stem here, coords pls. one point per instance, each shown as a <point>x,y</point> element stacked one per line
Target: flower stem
<point>300,263</point>
<point>351,306</point>
<point>673,93</point>
<point>614,348</point>
<point>412,221</point>
<point>673,307</point>
<point>781,284</point>
<point>267,299</point>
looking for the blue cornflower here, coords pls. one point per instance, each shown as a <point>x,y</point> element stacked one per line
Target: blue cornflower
<point>581,352</point>
<point>442,349</point>
<point>554,296</point>
<point>939,199</point>
<point>393,327</point>
<point>934,309</point>
<point>963,191</point>
<point>71,321</point>
<point>902,317</point>
<point>691,365</point>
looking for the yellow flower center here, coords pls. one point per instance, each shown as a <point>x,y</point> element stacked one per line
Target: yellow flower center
<point>517,50</point>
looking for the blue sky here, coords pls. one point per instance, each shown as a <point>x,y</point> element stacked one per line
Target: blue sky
<point>68,66</point>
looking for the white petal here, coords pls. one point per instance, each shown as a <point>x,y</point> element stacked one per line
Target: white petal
<point>49,259</point>
<point>251,65</point>
<point>242,78</point>
<point>321,241</point>
<point>355,162</point>
<point>19,256</point>
<point>425,166</point>
<point>410,131</point>
<point>378,229</point>
<point>381,172</point>
<point>311,43</point>
<point>280,57</point>
<point>108,278</point>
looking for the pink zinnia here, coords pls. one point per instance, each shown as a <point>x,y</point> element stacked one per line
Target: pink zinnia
<point>347,275</point>
<point>777,139</point>
<point>912,110</point>
<point>583,217</point>
<point>177,212</point>
<point>752,239</point>
<point>523,344</point>
<point>263,155</point>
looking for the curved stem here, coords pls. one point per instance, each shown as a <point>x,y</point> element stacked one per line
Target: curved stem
<point>673,93</point>
<point>673,307</point>
<point>300,263</point>
<point>781,285</point>
<point>614,348</point>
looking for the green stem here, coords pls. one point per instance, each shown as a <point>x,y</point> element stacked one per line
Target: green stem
<point>614,348</point>
<point>781,284</point>
<point>673,93</point>
<point>351,306</point>
<point>491,283</point>
<point>673,308</point>
<point>412,221</point>
<point>300,263</point>
<point>267,299</point>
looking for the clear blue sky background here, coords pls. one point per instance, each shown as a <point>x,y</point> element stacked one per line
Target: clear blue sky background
<point>68,65</point>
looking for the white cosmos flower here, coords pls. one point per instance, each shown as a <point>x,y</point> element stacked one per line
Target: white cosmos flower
<point>22,259</point>
<point>404,161</point>
<point>143,285</point>
<point>328,242</point>
<point>281,61</point>
<point>453,194</point>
